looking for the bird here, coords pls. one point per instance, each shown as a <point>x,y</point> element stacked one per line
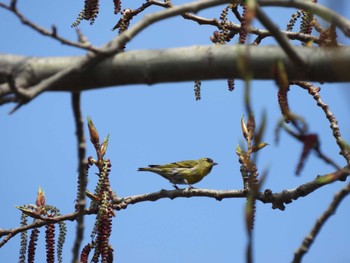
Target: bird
<point>184,172</point>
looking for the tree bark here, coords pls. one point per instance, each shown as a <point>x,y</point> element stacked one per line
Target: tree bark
<point>182,64</point>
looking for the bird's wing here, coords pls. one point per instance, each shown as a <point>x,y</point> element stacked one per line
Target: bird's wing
<point>182,164</point>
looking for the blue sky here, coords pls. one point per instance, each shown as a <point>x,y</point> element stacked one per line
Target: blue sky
<point>160,124</point>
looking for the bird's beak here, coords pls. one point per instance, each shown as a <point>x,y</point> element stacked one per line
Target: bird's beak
<point>215,164</point>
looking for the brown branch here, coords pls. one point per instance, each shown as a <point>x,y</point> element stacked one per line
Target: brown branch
<point>200,20</point>
<point>344,149</point>
<point>309,239</point>
<point>334,126</point>
<point>148,20</point>
<point>131,13</point>
<point>300,135</point>
<point>262,33</point>
<point>326,158</point>
<point>39,223</point>
<point>82,180</point>
<point>235,28</point>
<point>278,200</point>
<point>53,33</point>
<point>123,203</point>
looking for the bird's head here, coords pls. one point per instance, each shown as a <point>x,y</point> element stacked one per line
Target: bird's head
<point>208,161</point>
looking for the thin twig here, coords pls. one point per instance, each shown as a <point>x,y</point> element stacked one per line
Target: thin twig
<point>53,33</point>
<point>39,223</point>
<point>326,158</point>
<point>300,135</point>
<point>278,200</point>
<point>321,221</point>
<point>82,168</point>
<point>148,20</point>
<point>314,92</point>
<point>261,33</point>
<point>249,249</point>
<point>200,20</point>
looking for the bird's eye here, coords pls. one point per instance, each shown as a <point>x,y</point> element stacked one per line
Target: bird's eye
<point>209,160</point>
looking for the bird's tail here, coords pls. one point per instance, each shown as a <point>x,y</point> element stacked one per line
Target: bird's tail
<point>144,169</point>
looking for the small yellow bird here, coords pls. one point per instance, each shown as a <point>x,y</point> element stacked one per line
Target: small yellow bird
<point>183,172</point>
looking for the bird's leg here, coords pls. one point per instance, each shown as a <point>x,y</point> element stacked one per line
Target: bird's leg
<point>191,187</point>
<point>175,186</point>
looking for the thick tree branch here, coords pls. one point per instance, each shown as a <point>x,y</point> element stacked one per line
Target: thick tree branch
<point>175,65</point>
